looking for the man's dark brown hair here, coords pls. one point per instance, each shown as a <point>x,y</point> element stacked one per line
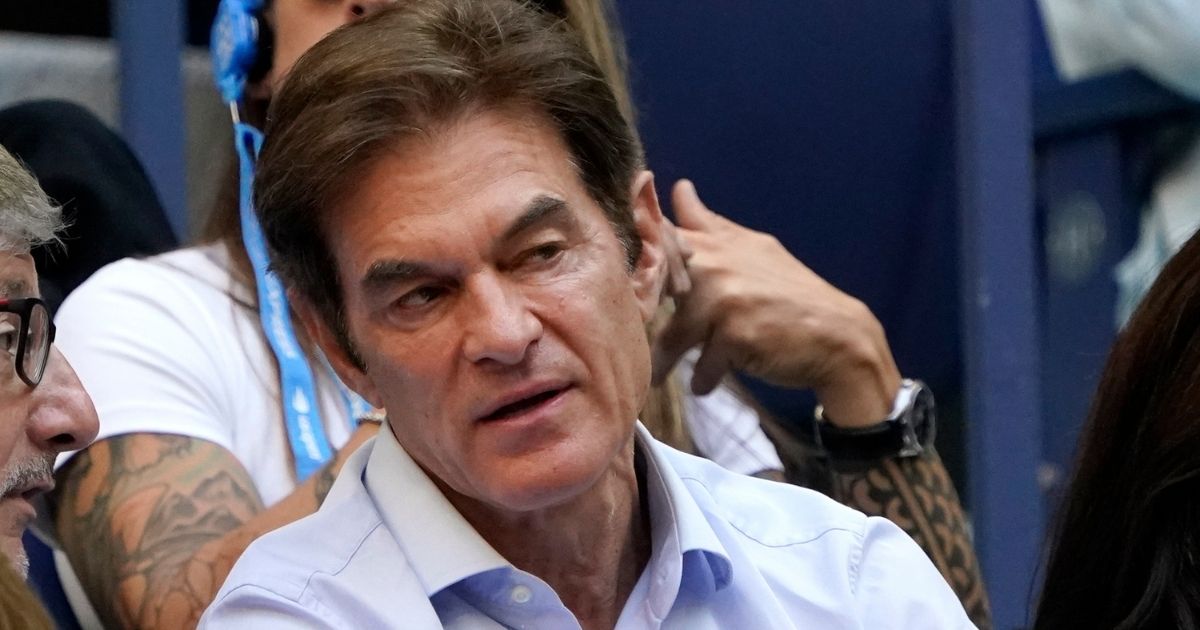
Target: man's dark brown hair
<point>411,70</point>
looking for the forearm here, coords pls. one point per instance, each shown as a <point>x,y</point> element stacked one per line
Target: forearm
<point>153,523</point>
<point>181,598</point>
<point>916,494</point>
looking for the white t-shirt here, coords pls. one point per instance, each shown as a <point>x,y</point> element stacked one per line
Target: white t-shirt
<point>171,344</point>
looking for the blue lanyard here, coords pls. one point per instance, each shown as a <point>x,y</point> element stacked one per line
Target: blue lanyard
<point>297,387</point>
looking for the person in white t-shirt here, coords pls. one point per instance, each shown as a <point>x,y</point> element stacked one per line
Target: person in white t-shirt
<point>1160,38</point>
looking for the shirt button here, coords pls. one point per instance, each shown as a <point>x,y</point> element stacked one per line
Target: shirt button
<point>521,594</point>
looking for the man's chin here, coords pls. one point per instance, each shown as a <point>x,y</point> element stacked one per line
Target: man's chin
<point>555,485</point>
<point>535,497</point>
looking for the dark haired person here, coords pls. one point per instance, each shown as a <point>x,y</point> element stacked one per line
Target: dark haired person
<point>1124,551</point>
<point>481,259</point>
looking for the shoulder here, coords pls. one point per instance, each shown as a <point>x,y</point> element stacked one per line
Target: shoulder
<point>768,513</point>
<point>339,567</point>
<point>809,548</point>
<point>339,555</point>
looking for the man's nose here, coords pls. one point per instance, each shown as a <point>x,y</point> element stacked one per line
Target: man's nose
<point>62,417</point>
<point>499,327</point>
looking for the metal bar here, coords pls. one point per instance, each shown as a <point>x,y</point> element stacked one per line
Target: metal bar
<point>999,280</point>
<point>150,40</point>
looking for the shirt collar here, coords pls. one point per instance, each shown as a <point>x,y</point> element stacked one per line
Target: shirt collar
<point>441,546</point>
<point>686,551</point>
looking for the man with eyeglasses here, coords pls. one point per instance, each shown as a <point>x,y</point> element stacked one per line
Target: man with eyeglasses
<point>44,410</point>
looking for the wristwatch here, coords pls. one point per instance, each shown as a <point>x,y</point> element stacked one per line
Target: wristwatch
<point>906,432</point>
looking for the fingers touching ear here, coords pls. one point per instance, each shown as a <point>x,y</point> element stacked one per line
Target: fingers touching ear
<point>690,211</point>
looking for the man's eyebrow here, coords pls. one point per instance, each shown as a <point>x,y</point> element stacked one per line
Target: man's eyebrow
<point>542,209</point>
<point>388,272</point>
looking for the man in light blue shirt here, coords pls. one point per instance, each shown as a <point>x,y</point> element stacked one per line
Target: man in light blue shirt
<point>728,551</point>
<point>460,211</point>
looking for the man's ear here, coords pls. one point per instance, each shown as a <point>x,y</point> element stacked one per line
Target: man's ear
<point>649,273</point>
<point>339,358</point>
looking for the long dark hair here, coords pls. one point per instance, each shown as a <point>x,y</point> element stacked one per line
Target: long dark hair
<point>1125,552</point>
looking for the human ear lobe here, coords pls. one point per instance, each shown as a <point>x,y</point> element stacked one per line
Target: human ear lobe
<point>339,358</point>
<point>649,273</point>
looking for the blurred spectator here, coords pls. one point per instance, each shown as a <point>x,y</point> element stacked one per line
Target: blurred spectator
<point>1160,38</point>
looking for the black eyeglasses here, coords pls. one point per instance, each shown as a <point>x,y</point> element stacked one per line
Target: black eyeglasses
<point>26,332</point>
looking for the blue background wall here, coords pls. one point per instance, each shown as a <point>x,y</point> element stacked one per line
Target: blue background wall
<point>831,125</point>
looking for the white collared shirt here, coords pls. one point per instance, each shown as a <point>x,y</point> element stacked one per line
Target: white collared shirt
<point>388,550</point>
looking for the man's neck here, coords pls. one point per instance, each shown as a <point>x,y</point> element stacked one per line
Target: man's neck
<point>590,550</point>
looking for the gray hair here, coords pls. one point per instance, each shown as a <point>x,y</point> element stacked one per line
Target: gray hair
<point>27,216</point>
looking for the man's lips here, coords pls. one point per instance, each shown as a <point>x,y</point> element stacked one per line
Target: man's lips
<point>521,400</point>
<point>30,490</point>
<point>19,505</point>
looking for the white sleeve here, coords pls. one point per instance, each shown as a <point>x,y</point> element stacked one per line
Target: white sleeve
<point>1159,37</point>
<point>725,429</point>
<point>897,586</point>
<point>146,347</point>
<point>249,606</point>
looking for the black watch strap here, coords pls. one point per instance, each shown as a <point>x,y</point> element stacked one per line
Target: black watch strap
<point>905,433</point>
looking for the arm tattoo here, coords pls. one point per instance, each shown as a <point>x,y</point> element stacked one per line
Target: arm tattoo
<point>916,494</point>
<point>138,515</point>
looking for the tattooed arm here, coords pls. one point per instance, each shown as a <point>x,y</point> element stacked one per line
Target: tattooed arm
<point>153,523</point>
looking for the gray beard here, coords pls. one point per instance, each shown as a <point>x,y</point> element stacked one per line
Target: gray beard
<point>20,564</point>
<point>19,475</point>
